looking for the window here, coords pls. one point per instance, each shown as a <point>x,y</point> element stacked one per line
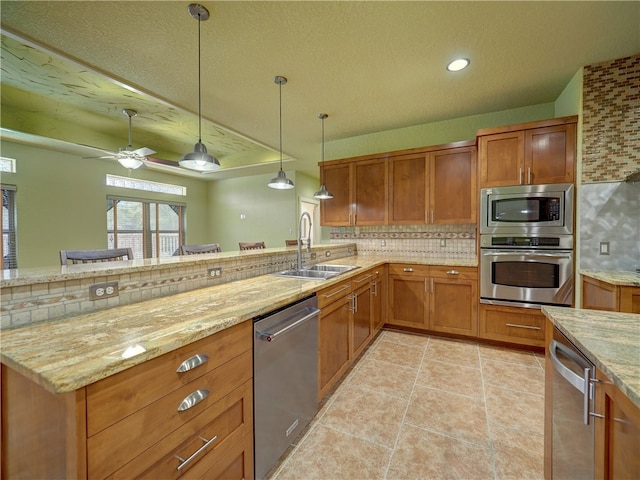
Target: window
<point>151,229</point>
<point>8,217</point>
<point>145,185</point>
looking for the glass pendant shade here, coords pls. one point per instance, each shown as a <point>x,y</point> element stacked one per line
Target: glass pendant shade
<point>130,162</point>
<point>281,182</point>
<point>199,159</point>
<point>323,193</point>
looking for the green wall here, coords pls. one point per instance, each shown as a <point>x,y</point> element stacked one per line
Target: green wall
<point>570,100</point>
<point>61,201</point>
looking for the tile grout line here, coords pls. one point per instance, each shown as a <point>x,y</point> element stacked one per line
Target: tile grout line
<point>486,412</point>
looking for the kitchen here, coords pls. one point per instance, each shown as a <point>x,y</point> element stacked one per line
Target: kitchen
<point>460,239</point>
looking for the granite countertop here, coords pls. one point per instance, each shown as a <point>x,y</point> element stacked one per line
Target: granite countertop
<point>627,279</point>
<point>611,340</point>
<point>69,353</point>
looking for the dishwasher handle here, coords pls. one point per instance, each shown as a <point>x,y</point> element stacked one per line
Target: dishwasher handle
<point>271,336</point>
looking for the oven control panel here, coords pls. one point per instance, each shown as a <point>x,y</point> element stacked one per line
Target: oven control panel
<point>527,242</point>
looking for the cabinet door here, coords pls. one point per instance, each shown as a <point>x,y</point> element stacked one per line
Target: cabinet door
<point>333,343</point>
<point>454,304</point>
<point>336,211</point>
<point>408,189</point>
<point>408,301</point>
<point>501,159</point>
<point>630,299</point>
<point>598,295</point>
<point>361,324</point>
<point>379,300</point>
<point>370,192</point>
<point>549,154</point>
<point>617,435</point>
<point>452,186</point>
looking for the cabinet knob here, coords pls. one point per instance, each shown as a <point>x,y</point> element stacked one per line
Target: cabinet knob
<point>193,362</point>
<point>453,272</point>
<point>193,399</point>
<point>407,269</point>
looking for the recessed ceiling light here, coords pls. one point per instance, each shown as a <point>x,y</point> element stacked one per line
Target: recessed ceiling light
<point>458,64</point>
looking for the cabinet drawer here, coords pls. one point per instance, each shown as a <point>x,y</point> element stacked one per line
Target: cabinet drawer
<point>128,438</point>
<point>229,421</point>
<point>516,325</point>
<point>329,295</point>
<point>118,396</point>
<point>453,273</point>
<point>408,269</point>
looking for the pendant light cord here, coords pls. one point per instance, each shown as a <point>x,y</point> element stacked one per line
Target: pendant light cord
<point>280,84</point>
<point>199,88</point>
<point>323,141</point>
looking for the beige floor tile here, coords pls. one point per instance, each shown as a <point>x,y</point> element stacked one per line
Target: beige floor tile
<point>406,355</point>
<point>521,357</point>
<point>451,378</point>
<point>404,338</point>
<point>518,454</point>
<point>514,409</point>
<point>513,376</point>
<point>328,454</point>
<point>450,414</point>
<point>452,351</point>
<point>383,377</point>
<point>423,454</point>
<point>367,414</point>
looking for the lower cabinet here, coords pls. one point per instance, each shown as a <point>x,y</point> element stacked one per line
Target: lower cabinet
<point>186,413</point>
<point>434,298</point>
<point>523,326</point>
<point>599,295</point>
<point>351,314</point>
<point>617,433</point>
<point>379,295</point>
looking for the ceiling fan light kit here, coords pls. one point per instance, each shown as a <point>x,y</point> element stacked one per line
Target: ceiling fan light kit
<point>323,193</point>
<point>280,182</point>
<point>199,159</point>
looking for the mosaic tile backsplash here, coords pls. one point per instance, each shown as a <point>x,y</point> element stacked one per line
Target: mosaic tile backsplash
<point>611,120</point>
<point>452,241</point>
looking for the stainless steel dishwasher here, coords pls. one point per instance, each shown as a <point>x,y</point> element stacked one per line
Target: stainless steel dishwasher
<point>285,379</point>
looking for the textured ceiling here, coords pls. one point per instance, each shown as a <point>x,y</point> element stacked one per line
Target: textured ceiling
<point>372,66</point>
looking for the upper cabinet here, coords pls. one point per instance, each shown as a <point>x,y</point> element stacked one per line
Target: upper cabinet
<point>527,154</point>
<point>419,186</point>
<point>359,193</point>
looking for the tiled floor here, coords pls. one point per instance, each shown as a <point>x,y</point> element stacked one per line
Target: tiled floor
<point>427,407</point>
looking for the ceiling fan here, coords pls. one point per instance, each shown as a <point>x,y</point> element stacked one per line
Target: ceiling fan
<point>127,156</point>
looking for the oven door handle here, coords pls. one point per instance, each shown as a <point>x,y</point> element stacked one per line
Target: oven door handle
<point>528,253</point>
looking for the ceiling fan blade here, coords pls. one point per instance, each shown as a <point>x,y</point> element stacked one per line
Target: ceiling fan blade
<point>162,161</point>
<point>143,152</point>
<point>104,156</point>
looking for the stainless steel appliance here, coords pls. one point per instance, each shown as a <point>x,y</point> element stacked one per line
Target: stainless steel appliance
<point>285,379</point>
<point>527,210</point>
<point>526,271</point>
<point>572,403</point>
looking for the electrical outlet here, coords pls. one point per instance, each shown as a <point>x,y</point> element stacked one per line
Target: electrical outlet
<point>103,290</point>
<point>327,253</point>
<point>604,248</point>
<point>214,272</point>
<point>383,243</point>
<point>443,242</point>
<point>313,255</point>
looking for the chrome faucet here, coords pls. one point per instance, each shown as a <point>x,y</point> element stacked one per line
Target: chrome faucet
<point>300,225</point>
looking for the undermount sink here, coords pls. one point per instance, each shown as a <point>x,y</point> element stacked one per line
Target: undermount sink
<point>316,272</point>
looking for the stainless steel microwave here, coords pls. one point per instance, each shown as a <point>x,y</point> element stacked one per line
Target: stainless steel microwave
<point>527,209</point>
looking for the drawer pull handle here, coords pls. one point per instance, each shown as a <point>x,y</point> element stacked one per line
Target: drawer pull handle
<point>523,326</point>
<point>453,272</point>
<point>184,463</point>
<point>363,279</point>
<point>407,269</point>
<point>346,287</point>
<point>192,362</point>
<point>193,399</point>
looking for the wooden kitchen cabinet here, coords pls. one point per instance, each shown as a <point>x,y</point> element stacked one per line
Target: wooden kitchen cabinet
<point>433,186</point>
<point>359,193</point>
<point>617,434</point>
<point>453,304</point>
<point>128,425</point>
<point>434,298</point>
<point>527,154</point>
<point>379,298</point>
<point>346,326</point>
<point>601,295</point>
<point>522,326</point>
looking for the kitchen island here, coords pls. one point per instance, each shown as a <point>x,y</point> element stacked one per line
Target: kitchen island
<point>611,342</point>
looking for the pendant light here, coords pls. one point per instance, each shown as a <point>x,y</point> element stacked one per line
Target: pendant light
<point>323,194</point>
<point>199,159</point>
<point>281,182</point>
